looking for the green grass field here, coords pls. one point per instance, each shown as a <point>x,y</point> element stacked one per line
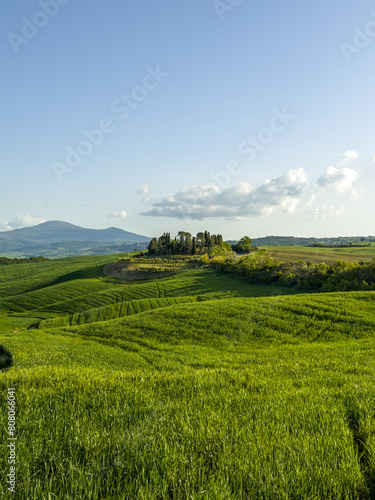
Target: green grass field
<point>198,385</point>
<point>317,254</point>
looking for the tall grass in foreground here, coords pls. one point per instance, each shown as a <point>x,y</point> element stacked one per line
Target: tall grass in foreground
<point>283,422</point>
<point>268,398</point>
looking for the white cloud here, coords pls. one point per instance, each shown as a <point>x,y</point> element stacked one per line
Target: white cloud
<point>311,200</point>
<point>142,189</point>
<point>21,221</point>
<point>118,213</point>
<point>373,159</point>
<point>338,180</point>
<point>281,194</point>
<point>348,156</point>
<point>325,212</point>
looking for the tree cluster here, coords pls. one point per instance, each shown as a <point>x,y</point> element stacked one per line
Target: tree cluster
<point>245,245</point>
<point>341,276</point>
<point>184,244</point>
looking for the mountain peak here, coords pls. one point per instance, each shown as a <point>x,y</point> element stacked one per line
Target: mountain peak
<point>57,224</point>
<point>56,231</point>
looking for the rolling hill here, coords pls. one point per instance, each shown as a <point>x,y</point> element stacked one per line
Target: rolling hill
<point>195,385</point>
<point>61,239</point>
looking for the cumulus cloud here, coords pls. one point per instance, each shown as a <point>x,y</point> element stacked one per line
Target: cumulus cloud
<point>340,180</point>
<point>311,201</point>
<point>348,156</point>
<point>281,194</point>
<point>142,189</point>
<point>118,213</point>
<point>325,212</point>
<point>21,221</point>
<point>373,159</point>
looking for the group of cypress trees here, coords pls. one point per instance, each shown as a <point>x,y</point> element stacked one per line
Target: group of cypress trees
<point>184,243</point>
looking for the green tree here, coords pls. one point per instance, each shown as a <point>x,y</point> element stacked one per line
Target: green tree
<point>153,247</point>
<point>194,249</point>
<point>200,240</point>
<point>243,246</point>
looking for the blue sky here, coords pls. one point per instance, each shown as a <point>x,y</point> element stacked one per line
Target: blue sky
<point>252,117</point>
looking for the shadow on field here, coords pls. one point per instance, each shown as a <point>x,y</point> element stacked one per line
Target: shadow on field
<point>87,273</point>
<point>6,360</point>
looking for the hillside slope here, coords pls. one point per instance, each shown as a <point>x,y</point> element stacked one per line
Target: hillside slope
<point>57,239</point>
<point>58,231</point>
<point>224,390</point>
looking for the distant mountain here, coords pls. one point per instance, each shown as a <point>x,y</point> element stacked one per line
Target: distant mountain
<point>57,231</point>
<point>58,238</point>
